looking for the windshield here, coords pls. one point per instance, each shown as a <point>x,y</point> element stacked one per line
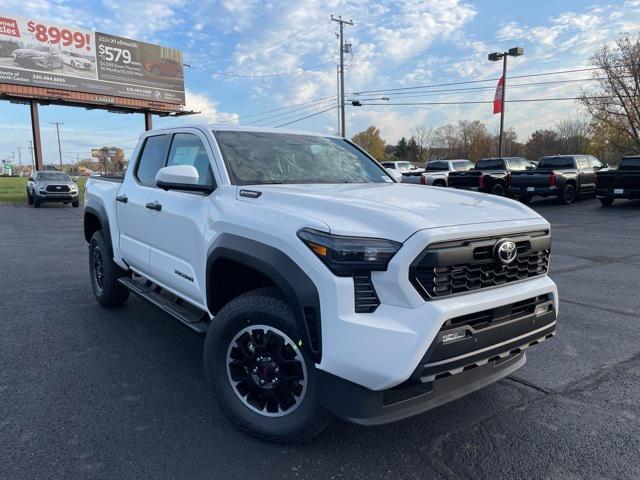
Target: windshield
<point>53,177</point>
<point>630,163</point>
<point>256,158</point>
<point>556,162</point>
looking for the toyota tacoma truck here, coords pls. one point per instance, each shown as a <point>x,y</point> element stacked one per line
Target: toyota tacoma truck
<point>621,183</point>
<point>436,172</point>
<point>324,288</point>
<point>490,175</point>
<point>562,176</point>
<point>52,186</point>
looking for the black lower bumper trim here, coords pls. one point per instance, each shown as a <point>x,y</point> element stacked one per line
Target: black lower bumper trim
<point>360,405</point>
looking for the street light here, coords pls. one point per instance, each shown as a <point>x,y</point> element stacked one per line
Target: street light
<point>495,57</point>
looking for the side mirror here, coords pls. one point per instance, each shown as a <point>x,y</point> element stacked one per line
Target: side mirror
<point>395,174</point>
<point>181,177</point>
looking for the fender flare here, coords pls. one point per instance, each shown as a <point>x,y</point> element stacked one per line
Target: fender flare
<point>298,289</point>
<point>98,211</point>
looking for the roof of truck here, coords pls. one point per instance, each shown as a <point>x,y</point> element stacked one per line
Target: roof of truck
<point>242,128</point>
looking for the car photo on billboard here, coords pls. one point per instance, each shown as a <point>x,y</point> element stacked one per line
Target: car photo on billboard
<point>43,57</point>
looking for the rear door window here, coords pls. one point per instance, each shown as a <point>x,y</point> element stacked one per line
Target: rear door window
<point>556,162</point>
<point>583,163</point>
<point>152,159</point>
<point>437,166</point>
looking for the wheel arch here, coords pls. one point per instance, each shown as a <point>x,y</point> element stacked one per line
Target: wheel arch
<point>277,267</point>
<point>95,218</point>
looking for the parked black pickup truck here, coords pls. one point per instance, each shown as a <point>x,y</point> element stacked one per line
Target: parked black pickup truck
<point>621,183</point>
<point>490,175</point>
<point>563,176</point>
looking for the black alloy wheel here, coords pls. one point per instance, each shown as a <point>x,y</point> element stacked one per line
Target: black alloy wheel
<point>266,370</point>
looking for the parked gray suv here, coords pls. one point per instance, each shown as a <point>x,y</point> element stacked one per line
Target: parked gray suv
<point>52,187</point>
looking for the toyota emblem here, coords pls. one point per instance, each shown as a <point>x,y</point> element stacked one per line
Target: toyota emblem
<point>505,251</point>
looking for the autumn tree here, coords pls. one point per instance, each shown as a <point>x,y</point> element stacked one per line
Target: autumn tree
<point>541,143</point>
<point>371,141</point>
<point>615,101</point>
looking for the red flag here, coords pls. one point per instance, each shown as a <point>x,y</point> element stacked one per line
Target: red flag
<point>498,98</point>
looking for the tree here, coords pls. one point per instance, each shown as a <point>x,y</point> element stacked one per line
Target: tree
<point>615,102</point>
<point>541,143</point>
<point>402,149</point>
<point>412,150</point>
<point>573,135</point>
<point>423,138</point>
<point>371,141</point>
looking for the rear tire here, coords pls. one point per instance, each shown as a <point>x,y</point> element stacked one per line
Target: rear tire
<point>568,193</point>
<point>250,345</point>
<point>439,184</point>
<point>104,273</point>
<point>606,201</point>
<point>526,199</point>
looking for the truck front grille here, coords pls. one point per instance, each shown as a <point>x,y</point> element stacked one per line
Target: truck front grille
<point>58,188</point>
<point>451,268</point>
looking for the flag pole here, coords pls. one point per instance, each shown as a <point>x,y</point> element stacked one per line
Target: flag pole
<point>504,93</point>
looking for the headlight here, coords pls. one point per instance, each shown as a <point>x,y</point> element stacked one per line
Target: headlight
<point>346,255</point>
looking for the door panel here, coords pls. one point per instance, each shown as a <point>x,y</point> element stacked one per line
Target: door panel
<point>177,249</point>
<point>135,221</point>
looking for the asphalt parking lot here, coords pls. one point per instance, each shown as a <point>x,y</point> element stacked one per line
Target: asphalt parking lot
<point>116,394</point>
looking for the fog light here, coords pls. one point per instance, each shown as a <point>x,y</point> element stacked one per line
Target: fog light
<point>453,337</point>
<point>541,310</point>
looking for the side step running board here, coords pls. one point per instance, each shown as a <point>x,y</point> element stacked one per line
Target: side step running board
<point>198,322</point>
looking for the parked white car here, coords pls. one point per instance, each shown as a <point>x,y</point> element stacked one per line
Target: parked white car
<point>76,61</point>
<point>436,172</point>
<point>323,286</point>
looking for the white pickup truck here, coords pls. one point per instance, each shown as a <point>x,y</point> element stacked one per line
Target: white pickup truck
<point>323,286</point>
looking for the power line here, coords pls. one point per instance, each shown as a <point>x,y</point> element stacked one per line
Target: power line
<point>308,107</point>
<point>318,100</point>
<point>472,102</point>
<point>304,118</point>
<point>466,82</point>
<point>289,116</point>
<point>237,75</point>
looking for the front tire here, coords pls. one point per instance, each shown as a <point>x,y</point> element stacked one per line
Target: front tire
<point>29,198</point>
<point>498,189</point>
<point>76,203</point>
<point>260,378</point>
<point>104,273</point>
<point>526,199</point>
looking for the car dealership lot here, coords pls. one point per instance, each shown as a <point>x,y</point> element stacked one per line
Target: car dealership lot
<point>92,393</point>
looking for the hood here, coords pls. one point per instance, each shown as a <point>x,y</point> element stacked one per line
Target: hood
<point>390,210</point>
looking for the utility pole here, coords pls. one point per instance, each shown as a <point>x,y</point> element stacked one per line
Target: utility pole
<point>20,156</point>
<point>33,160</point>
<point>342,52</point>
<point>57,124</point>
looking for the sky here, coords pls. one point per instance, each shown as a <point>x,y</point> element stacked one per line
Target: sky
<point>268,55</point>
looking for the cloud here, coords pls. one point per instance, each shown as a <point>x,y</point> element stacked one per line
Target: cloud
<point>200,102</point>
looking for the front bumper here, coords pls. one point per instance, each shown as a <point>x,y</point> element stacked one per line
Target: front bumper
<point>44,196</point>
<point>446,372</point>
<point>366,407</point>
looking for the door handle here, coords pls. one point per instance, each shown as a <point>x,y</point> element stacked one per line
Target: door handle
<point>122,199</point>
<point>154,206</point>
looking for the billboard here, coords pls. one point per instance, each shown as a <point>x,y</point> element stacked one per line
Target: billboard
<point>47,55</point>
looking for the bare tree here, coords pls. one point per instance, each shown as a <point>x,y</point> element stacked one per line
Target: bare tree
<point>573,135</point>
<point>616,102</point>
<point>424,138</point>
